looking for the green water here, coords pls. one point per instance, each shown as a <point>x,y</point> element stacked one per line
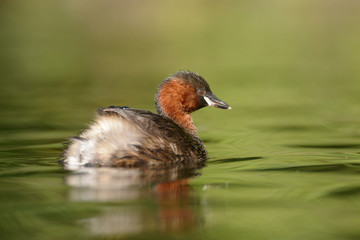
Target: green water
<point>284,162</point>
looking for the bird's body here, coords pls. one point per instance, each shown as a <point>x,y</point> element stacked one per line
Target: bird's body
<point>125,137</point>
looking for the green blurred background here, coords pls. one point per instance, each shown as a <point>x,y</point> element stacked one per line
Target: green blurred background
<point>85,54</point>
<point>284,162</point>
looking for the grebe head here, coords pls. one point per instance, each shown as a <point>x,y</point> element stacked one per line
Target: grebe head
<point>182,93</point>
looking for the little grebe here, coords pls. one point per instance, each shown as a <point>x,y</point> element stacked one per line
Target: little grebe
<point>125,137</point>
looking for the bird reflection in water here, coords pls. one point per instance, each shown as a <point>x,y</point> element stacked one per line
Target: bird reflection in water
<point>142,200</point>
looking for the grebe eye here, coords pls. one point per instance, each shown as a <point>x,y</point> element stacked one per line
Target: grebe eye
<point>200,92</point>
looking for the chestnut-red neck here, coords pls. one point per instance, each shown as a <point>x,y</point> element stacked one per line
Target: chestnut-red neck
<point>176,99</point>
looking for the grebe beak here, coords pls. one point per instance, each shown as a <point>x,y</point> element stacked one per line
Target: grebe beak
<point>213,101</point>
